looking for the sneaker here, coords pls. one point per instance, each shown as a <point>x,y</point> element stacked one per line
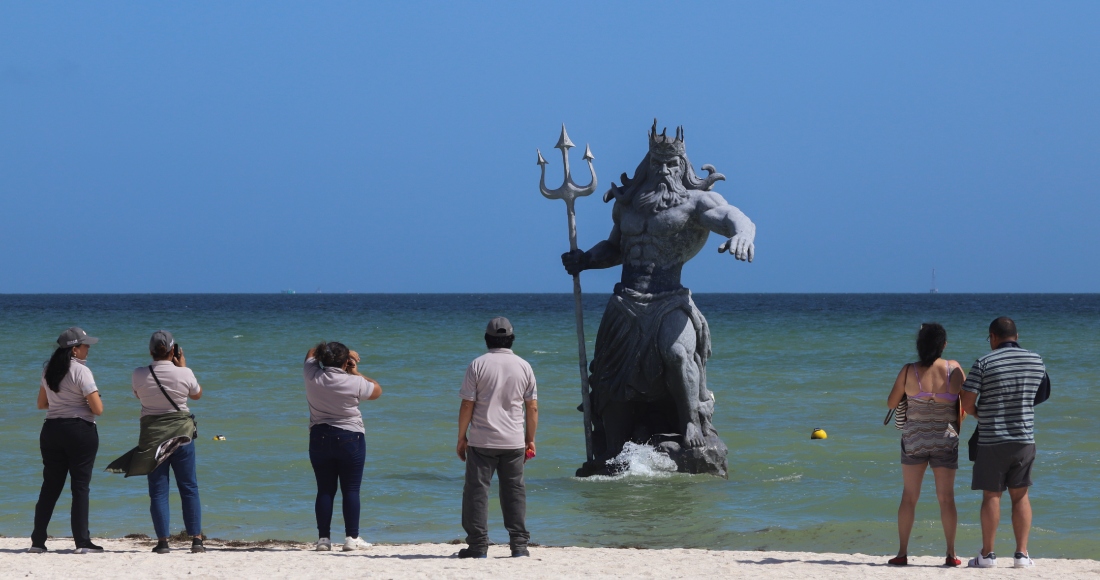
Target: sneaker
<point>196,546</point>
<point>520,552</point>
<point>161,547</point>
<point>1022,560</point>
<point>88,548</point>
<point>324,545</point>
<point>951,561</point>
<point>987,561</point>
<point>352,544</point>
<point>898,561</point>
<point>37,549</point>
<point>470,553</point>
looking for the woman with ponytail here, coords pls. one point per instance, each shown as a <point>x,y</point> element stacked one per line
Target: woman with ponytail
<point>931,435</point>
<point>337,444</point>
<point>69,440</point>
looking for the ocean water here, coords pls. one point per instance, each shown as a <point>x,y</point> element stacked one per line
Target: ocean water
<point>782,365</point>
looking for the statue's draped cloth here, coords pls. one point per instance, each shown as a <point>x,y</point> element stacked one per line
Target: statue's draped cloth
<point>628,365</point>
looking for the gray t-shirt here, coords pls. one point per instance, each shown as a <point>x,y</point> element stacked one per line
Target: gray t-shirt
<point>178,382</point>
<point>70,399</point>
<point>498,382</point>
<point>334,395</point>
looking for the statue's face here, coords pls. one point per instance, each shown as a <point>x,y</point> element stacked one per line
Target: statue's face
<point>668,170</point>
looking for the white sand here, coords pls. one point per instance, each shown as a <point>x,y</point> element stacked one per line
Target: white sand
<point>132,559</point>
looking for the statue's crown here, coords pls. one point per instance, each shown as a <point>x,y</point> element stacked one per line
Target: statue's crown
<point>663,146</point>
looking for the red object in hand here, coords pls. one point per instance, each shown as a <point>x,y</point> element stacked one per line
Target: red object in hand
<point>530,454</point>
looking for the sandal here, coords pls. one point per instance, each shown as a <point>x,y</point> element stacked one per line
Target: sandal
<point>952,561</point>
<point>898,561</point>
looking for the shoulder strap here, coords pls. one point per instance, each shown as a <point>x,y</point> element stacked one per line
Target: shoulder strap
<point>152,372</point>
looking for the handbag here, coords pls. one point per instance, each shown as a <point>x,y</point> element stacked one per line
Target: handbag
<point>898,413</point>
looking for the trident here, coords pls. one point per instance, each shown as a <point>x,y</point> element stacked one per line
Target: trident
<point>570,191</point>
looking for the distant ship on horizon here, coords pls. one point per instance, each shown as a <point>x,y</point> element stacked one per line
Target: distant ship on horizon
<point>934,290</point>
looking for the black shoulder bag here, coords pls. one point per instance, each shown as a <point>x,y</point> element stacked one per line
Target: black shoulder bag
<point>174,405</point>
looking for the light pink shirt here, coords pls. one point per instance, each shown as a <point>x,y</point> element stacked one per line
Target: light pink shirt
<point>178,382</point>
<point>498,382</point>
<point>333,396</point>
<point>70,401</point>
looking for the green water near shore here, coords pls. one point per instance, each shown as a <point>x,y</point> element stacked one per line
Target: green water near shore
<point>782,365</point>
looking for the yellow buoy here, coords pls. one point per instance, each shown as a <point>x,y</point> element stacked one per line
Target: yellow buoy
<point>819,434</point>
<point>219,438</point>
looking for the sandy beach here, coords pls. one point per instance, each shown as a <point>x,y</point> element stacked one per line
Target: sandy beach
<point>132,558</point>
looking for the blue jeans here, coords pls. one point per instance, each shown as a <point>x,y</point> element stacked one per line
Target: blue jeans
<point>187,481</point>
<point>337,455</point>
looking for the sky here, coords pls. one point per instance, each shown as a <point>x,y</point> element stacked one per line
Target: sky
<point>390,146</point>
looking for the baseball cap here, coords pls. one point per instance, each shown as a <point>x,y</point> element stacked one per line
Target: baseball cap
<point>161,340</point>
<point>499,326</point>
<point>75,336</point>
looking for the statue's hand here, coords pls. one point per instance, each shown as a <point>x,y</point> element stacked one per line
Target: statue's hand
<point>575,261</point>
<point>741,246</point>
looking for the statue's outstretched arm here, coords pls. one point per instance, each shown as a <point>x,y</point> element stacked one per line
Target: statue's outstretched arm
<point>605,254</point>
<point>726,220</point>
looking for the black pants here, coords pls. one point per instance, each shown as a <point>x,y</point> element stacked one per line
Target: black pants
<point>68,448</point>
<point>480,465</point>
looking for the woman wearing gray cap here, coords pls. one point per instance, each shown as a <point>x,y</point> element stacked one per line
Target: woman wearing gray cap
<point>69,440</point>
<point>163,389</point>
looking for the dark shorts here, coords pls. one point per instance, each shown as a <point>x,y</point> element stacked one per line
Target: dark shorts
<point>1003,466</point>
<point>944,456</point>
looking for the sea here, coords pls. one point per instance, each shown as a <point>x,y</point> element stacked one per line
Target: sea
<point>782,366</point>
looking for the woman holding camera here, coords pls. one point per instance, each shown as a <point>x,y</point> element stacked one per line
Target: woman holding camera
<point>163,389</point>
<point>69,439</point>
<point>337,447</point>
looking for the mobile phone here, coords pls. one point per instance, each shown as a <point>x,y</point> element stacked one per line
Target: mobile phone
<point>176,350</point>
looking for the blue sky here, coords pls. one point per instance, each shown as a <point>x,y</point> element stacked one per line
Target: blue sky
<point>390,147</point>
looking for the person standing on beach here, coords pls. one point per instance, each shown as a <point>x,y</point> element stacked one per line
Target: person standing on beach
<point>163,389</point>
<point>69,439</point>
<point>1001,391</point>
<point>496,432</point>
<point>931,436</point>
<point>337,443</point>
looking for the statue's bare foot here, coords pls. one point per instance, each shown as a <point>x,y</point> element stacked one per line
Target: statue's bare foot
<point>693,437</point>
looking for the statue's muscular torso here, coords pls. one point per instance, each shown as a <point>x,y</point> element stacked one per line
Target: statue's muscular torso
<point>654,247</point>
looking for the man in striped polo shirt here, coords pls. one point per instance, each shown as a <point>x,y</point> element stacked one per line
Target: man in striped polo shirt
<point>1002,390</point>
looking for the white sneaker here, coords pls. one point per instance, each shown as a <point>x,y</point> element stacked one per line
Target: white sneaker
<point>324,545</point>
<point>351,544</point>
<point>983,561</point>
<point>1022,561</point>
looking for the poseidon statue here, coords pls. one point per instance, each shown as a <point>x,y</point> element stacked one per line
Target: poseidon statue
<point>648,375</point>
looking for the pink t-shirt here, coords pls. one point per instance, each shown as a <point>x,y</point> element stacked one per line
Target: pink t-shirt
<point>498,382</point>
<point>178,382</point>
<point>333,396</point>
<point>70,401</point>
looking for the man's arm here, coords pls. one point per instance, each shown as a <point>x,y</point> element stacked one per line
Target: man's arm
<point>725,220</point>
<point>606,254</point>
<point>532,408</point>
<point>969,403</point>
<point>465,415</point>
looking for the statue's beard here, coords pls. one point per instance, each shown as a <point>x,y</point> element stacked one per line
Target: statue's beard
<point>669,192</point>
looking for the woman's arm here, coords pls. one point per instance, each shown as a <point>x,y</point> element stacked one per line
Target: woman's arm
<point>95,403</point>
<point>43,400</point>
<point>899,389</point>
<point>958,377</point>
